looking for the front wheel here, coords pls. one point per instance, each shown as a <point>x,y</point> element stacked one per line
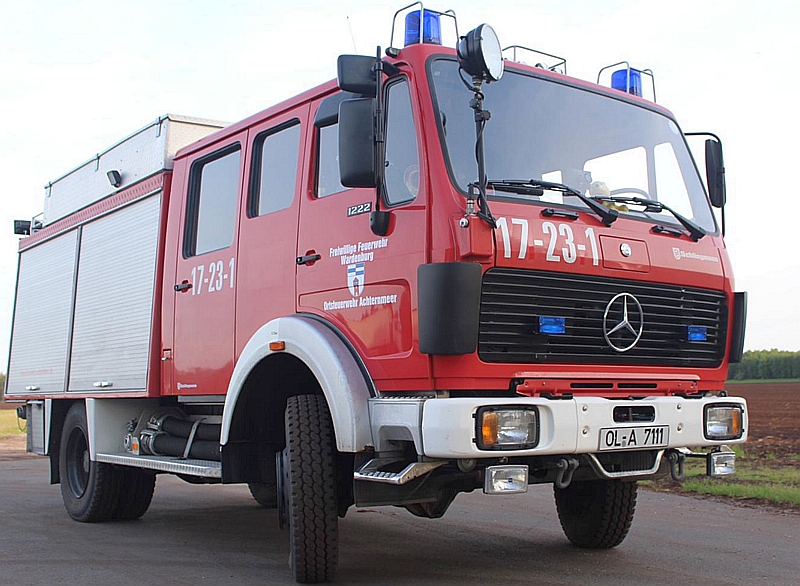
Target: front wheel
<point>90,490</point>
<point>596,514</point>
<point>308,487</point>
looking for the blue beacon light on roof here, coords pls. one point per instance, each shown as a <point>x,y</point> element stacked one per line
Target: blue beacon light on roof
<point>431,29</point>
<point>627,80</point>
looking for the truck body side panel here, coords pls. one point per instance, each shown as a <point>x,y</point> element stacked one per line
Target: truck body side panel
<point>42,318</point>
<point>86,304</point>
<point>114,300</point>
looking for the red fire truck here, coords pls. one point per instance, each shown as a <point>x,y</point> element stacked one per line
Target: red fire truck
<point>445,271</point>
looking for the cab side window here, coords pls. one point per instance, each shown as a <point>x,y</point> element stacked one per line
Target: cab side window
<point>212,204</point>
<point>402,159</point>
<point>274,174</point>
<point>328,181</point>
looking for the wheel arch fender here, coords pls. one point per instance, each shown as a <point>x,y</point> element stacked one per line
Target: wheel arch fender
<point>339,371</point>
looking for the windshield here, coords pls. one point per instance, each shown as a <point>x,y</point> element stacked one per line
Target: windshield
<point>541,129</point>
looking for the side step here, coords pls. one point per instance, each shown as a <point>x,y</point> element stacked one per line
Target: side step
<point>172,464</point>
<point>371,471</point>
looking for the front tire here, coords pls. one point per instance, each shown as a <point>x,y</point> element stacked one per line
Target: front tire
<point>90,490</point>
<point>309,489</point>
<point>596,514</point>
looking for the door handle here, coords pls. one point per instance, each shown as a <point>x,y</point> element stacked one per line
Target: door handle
<point>308,259</point>
<point>185,286</point>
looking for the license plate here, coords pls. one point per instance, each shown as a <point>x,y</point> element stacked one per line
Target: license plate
<point>633,438</point>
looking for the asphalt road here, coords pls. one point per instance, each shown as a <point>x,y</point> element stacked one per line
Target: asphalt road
<point>196,535</point>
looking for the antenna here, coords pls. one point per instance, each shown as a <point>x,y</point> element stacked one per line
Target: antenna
<point>352,36</point>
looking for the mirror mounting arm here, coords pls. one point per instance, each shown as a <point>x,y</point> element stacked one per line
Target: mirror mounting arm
<point>379,219</point>
<point>478,191</point>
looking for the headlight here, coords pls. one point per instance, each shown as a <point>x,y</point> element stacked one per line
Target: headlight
<point>507,428</point>
<point>724,422</point>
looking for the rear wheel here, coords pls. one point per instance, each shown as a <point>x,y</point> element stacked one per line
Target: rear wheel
<point>90,490</point>
<point>596,514</point>
<point>308,488</point>
<point>136,492</point>
<point>265,493</point>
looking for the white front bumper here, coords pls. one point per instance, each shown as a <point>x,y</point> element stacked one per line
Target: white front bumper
<point>445,428</point>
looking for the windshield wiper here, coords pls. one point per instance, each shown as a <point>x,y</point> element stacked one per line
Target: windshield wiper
<point>538,187</point>
<point>653,206</point>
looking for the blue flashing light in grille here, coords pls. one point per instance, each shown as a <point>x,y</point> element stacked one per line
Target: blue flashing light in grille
<point>552,325</point>
<point>696,333</point>
<point>431,30</point>
<point>628,81</point>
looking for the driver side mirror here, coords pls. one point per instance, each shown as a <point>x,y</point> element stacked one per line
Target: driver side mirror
<point>357,143</point>
<point>715,173</point>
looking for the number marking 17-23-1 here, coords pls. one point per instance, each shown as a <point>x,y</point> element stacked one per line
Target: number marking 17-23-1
<point>556,235</point>
<point>217,277</point>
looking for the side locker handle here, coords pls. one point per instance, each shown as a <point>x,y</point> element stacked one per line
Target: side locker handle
<point>183,287</point>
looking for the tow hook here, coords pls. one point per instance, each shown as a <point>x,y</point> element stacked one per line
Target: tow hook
<point>676,460</point>
<point>566,467</point>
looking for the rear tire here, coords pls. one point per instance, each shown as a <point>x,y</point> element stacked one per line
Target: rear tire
<point>266,494</point>
<point>309,489</point>
<point>596,514</point>
<point>136,492</point>
<point>90,490</point>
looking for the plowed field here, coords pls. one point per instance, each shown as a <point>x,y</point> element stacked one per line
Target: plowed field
<point>774,410</point>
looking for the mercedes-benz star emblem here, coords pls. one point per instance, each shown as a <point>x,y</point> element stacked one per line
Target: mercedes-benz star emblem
<point>624,320</point>
<point>625,249</point>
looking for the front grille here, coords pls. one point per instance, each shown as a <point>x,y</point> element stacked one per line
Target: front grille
<point>512,300</point>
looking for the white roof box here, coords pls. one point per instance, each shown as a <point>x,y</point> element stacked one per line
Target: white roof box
<point>140,155</point>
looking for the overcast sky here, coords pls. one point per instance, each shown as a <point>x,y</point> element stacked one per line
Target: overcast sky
<point>75,77</point>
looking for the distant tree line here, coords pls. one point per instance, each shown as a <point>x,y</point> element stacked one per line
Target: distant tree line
<point>766,364</point>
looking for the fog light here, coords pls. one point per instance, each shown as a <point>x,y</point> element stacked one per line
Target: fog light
<point>506,480</point>
<point>721,463</point>
<point>724,422</point>
<point>507,428</point>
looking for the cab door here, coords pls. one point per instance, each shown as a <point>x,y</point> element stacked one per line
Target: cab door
<point>265,287</point>
<point>206,270</point>
<point>362,283</point>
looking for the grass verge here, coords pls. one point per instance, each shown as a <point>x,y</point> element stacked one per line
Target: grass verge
<point>8,423</point>
<point>777,494</point>
<point>767,478</point>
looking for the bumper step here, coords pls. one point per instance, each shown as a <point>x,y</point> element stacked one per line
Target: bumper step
<point>371,471</point>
